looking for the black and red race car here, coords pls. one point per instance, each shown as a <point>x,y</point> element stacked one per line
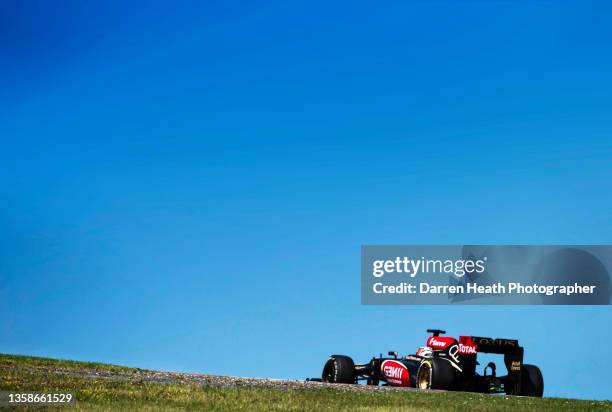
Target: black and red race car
<point>445,363</point>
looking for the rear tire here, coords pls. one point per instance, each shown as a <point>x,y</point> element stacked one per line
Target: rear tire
<point>339,369</point>
<point>435,373</point>
<point>532,381</point>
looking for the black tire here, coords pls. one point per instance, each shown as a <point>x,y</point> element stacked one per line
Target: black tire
<point>532,381</point>
<point>339,369</point>
<point>435,373</point>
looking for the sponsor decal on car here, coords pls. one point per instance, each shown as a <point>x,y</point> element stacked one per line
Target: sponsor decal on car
<point>496,342</point>
<point>395,373</point>
<point>439,342</point>
<point>467,349</point>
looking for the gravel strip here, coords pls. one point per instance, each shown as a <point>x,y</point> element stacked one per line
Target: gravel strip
<point>199,379</point>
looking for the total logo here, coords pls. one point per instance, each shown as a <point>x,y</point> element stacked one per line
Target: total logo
<point>467,349</point>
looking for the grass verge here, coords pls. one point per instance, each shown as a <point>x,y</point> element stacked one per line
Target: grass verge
<point>29,374</point>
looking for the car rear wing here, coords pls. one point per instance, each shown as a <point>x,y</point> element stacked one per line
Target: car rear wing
<point>499,346</point>
<point>513,357</point>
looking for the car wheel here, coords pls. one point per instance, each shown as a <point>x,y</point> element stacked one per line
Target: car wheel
<point>435,373</point>
<point>339,369</point>
<point>532,381</point>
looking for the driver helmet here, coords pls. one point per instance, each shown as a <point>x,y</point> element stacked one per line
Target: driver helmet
<point>424,352</point>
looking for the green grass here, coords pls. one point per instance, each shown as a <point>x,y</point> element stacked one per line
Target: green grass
<point>104,394</point>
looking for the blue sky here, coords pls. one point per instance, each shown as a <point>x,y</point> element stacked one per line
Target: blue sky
<point>186,187</point>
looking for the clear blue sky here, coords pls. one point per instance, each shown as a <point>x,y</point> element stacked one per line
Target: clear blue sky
<point>187,187</point>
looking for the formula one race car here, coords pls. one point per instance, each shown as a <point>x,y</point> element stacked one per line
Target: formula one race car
<point>447,364</point>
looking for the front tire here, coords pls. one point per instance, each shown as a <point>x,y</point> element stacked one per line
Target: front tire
<point>435,373</point>
<point>532,381</point>
<point>339,369</point>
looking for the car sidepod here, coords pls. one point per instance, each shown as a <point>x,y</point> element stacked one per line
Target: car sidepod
<point>399,372</point>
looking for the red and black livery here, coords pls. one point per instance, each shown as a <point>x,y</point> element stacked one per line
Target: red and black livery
<point>448,364</point>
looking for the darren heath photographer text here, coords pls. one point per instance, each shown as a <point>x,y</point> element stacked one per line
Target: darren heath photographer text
<point>474,288</point>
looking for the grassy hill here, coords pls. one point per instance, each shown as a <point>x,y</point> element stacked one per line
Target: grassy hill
<point>109,387</point>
